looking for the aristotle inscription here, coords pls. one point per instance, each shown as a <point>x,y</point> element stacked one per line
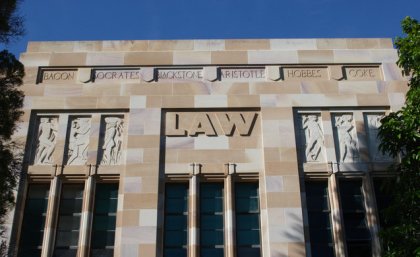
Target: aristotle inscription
<point>242,74</point>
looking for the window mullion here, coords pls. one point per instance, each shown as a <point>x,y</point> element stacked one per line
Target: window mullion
<point>229,219</point>
<point>337,216</point>
<point>371,214</point>
<point>193,229</point>
<point>51,219</point>
<point>86,222</point>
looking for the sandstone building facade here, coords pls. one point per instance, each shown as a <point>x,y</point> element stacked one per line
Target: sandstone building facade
<point>204,147</point>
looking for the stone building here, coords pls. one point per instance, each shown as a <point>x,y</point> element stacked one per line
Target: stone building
<point>235,148</point>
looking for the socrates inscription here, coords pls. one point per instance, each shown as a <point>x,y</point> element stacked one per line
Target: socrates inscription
<point>210,124</point>
<point>110,75</point>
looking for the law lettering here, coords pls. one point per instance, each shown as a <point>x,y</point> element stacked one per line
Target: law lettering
<point>210,124</point>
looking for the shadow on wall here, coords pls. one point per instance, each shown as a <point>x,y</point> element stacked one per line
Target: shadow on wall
<point>294,235</point>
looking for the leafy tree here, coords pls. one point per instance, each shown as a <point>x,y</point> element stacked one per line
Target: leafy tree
<point>400,136</point>
<point>11,100</point>
<point>11,24</point>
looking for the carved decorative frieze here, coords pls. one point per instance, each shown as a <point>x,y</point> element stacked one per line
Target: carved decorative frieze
<point>78,141</point>
<point>345,138</point>
<point>111,148</point>
<point>46,140</point>
<point>313,137</point>
<point>372,123</point>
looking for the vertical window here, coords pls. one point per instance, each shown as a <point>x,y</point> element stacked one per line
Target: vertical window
<point>319,215</point>
<point>104,216</point>
<point>69,215</point>
<point>176,220</point>
<point>34,221</point>
<point>356,230</point>
<point>211,220</point>
<point>247,214</point>
<point>383,200</point>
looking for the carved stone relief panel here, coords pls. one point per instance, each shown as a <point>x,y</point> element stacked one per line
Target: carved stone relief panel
<point>46,140</point>
<point>312,137</point>
<point>372,123</point>
<point>345,137</point>
<point>78,140</point>
<point>110,151</point>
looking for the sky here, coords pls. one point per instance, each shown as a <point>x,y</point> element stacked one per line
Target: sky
<point>57,20</point>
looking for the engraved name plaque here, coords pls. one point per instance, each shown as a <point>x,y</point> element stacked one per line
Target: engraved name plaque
<point>244,74</point>
<point>58,76</point>
<point>363,73</point>
<point>314,73</point>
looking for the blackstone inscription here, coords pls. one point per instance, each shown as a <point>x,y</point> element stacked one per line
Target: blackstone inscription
<point>305,73</point>
<point>210,123</point>
<point>363,73</point>
<point>242,74</point>
<point>104,75</point>
<point>58,76</point>
<point>189,74</point>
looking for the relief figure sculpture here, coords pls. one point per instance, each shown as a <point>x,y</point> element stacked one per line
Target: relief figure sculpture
<point>314,137</point>
<point>112,141</point>
<point>47,138</point>
<point>374,122</point>
<point>79,141</point>
<point>347,144</point>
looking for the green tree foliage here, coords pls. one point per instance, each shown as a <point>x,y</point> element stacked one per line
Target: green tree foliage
<point>11,24</point>
<point>11,100</point>
<point>400,136</point>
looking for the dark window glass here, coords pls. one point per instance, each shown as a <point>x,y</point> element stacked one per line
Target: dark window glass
<point>358,237</point>
<point>34,220</point>
<point>211,220</point>
<point>383,199</point>
<point>69,215</point>
<point>104,217</point>
<point>176,223</point>
<point>247,214</point>
<point>319,215</point>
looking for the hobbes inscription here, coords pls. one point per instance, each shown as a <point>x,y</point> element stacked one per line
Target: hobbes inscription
<point>210,123</point>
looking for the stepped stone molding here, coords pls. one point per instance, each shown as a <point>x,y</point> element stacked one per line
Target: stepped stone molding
<point>365,72</point>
